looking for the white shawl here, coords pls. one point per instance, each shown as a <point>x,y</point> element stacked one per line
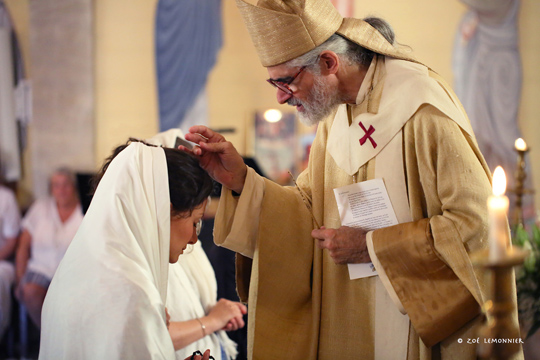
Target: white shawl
<point>192,294</point>
<point>106,300</point>
<point>192,285</point>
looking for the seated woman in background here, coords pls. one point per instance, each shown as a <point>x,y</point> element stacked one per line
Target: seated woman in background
<point>197,320</point>
<point>47,230</point>
<point>107,298</point>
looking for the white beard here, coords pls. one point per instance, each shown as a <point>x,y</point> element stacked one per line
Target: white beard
<point>321,102</point>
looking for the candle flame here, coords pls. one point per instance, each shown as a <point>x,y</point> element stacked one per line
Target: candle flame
<point>520,145</point>
<point>499,182</point>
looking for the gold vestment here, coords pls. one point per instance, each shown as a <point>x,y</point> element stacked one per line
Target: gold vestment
<point>303,306</point>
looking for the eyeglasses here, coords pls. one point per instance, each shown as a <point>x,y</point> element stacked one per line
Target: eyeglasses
<point>284,85</point>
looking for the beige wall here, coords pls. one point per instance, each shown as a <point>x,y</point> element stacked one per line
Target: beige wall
<point>529,116</point>
<point>126,102</point>
<point>125,82</point>
<point>428,27</point>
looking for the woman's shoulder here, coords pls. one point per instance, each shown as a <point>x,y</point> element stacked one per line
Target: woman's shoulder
<point>44,203</point>
<point>40,208</point>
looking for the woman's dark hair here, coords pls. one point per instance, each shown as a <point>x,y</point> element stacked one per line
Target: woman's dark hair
<point>189,184</point>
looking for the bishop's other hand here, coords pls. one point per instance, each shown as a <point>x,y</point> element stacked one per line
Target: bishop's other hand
<point>346,245</point>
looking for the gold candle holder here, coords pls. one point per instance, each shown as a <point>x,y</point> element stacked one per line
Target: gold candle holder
<point>521,175</point>
<point>499,335</point>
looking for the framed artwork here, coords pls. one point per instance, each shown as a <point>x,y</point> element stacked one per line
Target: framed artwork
<point>275,146</point>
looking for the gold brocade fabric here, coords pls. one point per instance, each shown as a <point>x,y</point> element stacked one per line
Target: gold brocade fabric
<point>282,30</point>
<point>303,306</point>
<point>451,304</point>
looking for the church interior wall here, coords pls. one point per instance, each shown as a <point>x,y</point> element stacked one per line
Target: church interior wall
<point>125,101</point>
<point>529,112</point>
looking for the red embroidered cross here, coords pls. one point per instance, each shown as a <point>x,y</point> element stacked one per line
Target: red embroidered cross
<point>366,137</point>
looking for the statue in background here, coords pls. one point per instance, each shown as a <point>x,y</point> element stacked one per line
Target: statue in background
<point>488,80</point>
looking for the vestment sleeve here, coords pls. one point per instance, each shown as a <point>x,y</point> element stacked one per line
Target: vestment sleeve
<point>427,261</point>
<point>237,218</point>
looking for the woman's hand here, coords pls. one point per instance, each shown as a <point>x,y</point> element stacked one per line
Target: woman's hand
<point>227,315</point>
<point>205,356</point>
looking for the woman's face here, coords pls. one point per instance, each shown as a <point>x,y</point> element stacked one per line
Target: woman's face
<point>184,231</point>
<point>62,189</point>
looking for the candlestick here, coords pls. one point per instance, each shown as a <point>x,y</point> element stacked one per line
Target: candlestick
<point>500,336</point>
<point>498,224</point>
<point>500,333</point>
<point>521,148</point>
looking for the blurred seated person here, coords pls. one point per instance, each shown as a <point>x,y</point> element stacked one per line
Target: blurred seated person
<point>47,230</point>
<point>197,320</point>
<point>10,221</point>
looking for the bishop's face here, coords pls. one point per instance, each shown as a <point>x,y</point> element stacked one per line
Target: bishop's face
<point>314,96</point>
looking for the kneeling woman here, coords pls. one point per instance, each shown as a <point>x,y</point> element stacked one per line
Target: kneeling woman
<point>106,300</point>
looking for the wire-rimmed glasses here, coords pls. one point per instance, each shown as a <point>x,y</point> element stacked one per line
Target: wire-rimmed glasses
<point>284,85</point>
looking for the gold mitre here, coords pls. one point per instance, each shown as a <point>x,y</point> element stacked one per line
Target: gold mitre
<point>282,30</point>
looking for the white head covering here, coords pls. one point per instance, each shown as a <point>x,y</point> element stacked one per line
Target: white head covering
<point>192,290</point>
<point>106,300</point>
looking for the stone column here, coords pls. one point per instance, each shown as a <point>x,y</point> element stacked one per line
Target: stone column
<point>61,52</point>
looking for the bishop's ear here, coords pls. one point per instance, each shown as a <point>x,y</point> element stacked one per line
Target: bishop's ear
<point>329,62</point>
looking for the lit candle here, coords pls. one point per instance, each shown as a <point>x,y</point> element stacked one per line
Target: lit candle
<point>498,225</point>
<point>520,145</point>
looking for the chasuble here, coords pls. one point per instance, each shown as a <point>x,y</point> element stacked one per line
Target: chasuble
<point>303,305</point>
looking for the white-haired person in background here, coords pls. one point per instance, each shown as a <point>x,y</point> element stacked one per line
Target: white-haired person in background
<point>47,230</point>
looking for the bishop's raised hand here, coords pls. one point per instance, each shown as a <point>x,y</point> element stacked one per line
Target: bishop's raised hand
<point>218,157</point>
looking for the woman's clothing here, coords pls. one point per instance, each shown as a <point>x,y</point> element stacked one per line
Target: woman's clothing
<point>107,298</point>
<point>50,236</point>
<point>36,278</point>
<point>192,294</point>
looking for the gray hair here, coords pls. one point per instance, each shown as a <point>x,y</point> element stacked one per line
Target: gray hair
<point>67,172</point>
<point>345,49</point>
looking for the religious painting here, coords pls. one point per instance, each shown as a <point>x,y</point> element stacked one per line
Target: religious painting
<point>276,150</point>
